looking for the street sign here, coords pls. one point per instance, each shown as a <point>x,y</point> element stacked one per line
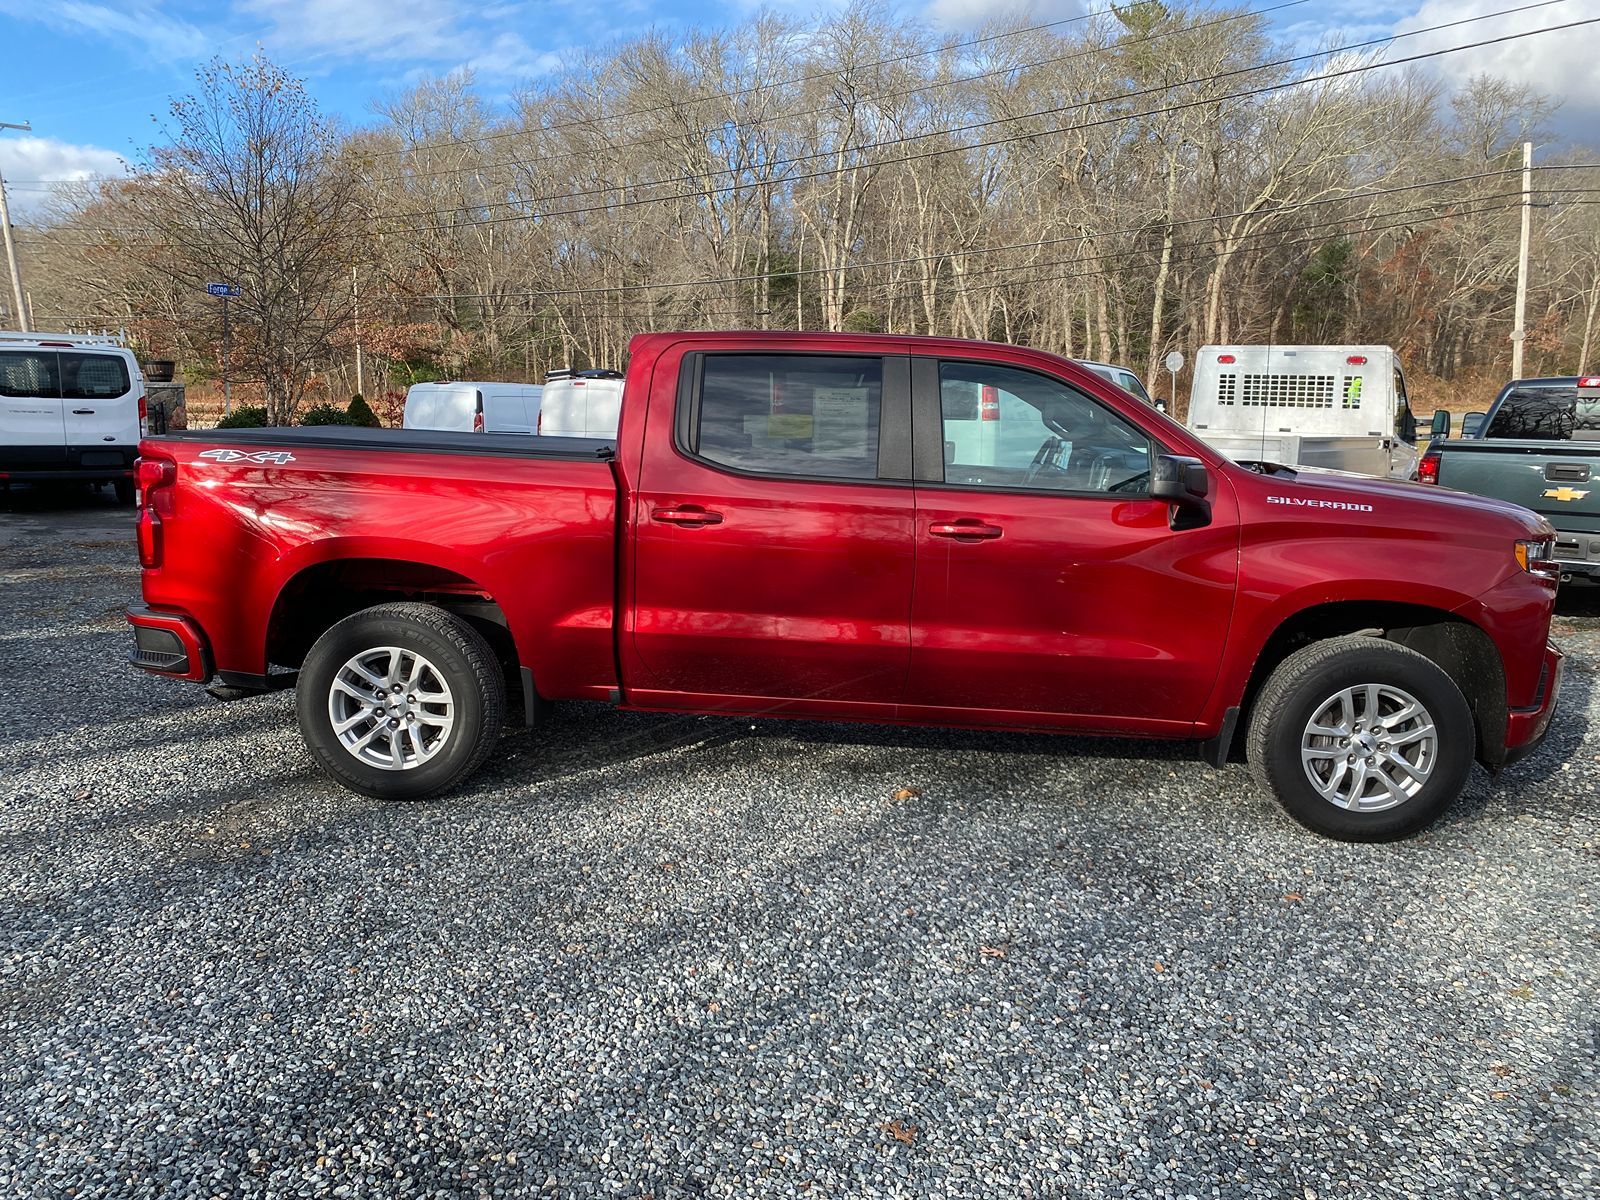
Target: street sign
<point>1174,362</point>
<point>223,289</point>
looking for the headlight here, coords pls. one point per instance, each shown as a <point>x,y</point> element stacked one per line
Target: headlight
<point>1539,558</point>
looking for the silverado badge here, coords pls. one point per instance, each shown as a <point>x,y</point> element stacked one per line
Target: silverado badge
<point>1564,493</point>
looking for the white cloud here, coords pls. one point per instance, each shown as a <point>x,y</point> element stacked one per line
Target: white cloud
<point>428,31</point>
<point>510,57</point>
<point>969,14</point>
<point>30,163</point>
<point>1563,65</point>
<point>142,24</point>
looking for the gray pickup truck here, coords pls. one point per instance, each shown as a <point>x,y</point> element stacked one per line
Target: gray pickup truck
<point>1538,446</point>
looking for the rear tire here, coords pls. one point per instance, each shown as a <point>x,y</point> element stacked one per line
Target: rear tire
<point>400,701</point>
<point>124,490</point>
<point>1361,739</point>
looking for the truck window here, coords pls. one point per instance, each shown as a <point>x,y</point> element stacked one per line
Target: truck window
<point>93,376</point>
<point>29,373</point>
<point>1405,421</point>
<point>1009,428</point>
<point>791,414</point>
<point>1537,413</point>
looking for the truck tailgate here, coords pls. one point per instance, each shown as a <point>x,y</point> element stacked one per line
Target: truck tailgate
<point>1558,480</point>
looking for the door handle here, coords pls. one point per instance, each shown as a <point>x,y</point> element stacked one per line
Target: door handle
<point>965,528</point>
<point>689,515</point>
<point>83,412</point>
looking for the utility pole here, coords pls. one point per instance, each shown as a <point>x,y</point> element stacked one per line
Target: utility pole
<point>11,249</point>
<point>1519,331</point>
<point>355,301</point>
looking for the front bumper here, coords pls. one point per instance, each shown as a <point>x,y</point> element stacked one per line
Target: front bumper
<point>169,644</point>
<point>1526,727</point>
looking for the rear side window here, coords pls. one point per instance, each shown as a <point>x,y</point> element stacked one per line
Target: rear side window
<point>791,414</point>
<point>1546,414</point>
<point>29,373</point>
<point>93,376</point>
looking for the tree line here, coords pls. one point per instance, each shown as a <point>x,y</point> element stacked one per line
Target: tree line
<point>1112,187</point>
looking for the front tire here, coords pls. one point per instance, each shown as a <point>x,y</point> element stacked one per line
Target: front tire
<point>400,701</point>
<point>1361,739</point>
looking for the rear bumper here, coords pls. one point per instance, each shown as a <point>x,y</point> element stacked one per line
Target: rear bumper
<point>1578,554</point>
<point>1526,727</point>
<point>169,644</point>
<point>27,464</point>
<point>37,476</point>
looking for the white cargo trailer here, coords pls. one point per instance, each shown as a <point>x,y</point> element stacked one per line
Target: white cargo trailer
<point>1342,408</point>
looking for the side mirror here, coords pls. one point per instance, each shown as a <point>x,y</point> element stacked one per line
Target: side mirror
<point>1185,484</point>
<point>1472,423</point>
<point>1441,423</point>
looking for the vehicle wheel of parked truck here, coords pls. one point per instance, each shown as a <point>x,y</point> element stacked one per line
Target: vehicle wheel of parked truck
<point>400,700</point>
<point>1361,739</point>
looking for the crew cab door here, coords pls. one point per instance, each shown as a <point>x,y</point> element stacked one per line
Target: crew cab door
<point>772,543</point>
<point>1048,581</point>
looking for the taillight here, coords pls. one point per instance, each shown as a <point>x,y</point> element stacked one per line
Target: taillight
<point>153,477</point>
<point>149,474</point>
<point>1428,468</point>
<point>144,410</point>
<point>477,422</point>
<point>989,405</point>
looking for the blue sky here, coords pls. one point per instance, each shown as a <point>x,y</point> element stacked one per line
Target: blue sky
<point>91,74</point>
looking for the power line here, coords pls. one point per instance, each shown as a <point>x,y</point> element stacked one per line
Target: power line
<point>733,94</point>
<point>876,98</point>
<point>1056,240</point>
<point>1122,97</point>
<point>1193,255</point>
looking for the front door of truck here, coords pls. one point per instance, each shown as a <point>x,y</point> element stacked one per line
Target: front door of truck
<point>1048,581</point>
<point>772,557</point>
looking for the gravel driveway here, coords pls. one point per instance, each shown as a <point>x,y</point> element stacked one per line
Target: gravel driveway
<point>691,957</point>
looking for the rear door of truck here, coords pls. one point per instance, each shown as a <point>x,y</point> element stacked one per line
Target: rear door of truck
<point>772,524</point>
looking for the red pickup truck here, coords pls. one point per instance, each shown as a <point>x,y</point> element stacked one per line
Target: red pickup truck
<point>864,528</point>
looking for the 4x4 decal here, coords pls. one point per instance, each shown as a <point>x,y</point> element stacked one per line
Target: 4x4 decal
<point>280,457</point>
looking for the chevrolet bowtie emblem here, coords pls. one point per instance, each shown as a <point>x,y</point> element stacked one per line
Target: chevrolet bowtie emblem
<point>1564,493</point>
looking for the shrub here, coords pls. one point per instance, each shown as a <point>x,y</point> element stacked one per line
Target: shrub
<point>324,414</point>
<point>246,416</point>
<point>360,413</point>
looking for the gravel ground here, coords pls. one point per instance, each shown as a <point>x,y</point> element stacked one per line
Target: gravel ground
<point>689,957</point>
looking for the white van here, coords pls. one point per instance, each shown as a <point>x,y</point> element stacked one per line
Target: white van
<point>1342,408</point>
<point>581,404</point>
<point>467,407</point>
<point>72,406</point>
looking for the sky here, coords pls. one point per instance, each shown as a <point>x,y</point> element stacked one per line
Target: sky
<point>94,76</point>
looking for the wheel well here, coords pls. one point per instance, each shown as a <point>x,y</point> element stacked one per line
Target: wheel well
<point>1465,653</point>
<point>323,595</point>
